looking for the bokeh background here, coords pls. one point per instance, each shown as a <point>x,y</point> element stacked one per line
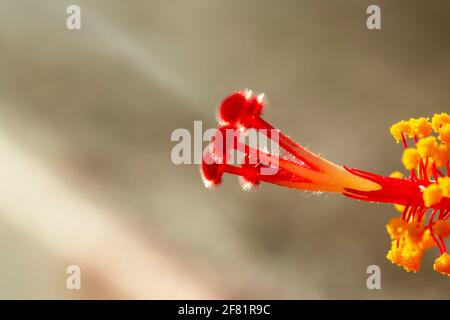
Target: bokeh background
<point>85,122</point>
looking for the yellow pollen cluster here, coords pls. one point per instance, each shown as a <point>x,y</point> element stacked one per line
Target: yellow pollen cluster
<point>426,149</point>
<point>444,184</point>
<point>429,152</point>
<point>427,146</point>
<point>440,120</point>
<point>441,155</point>
<point>434,193</point>
<point>442,264</point>
<point>410,158</point>
<point>396,228</point>
<point>406,255</point>
<point>397,174</point>
<point>444,134</point>
<point>421,128</point>
<point>426,156</point>
<point>441,125</point>
<point>410,240</point>
<point>408,243</point>
<point>402,127</point>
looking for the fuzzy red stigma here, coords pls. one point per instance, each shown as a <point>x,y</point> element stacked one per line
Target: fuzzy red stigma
<point>291,165</point>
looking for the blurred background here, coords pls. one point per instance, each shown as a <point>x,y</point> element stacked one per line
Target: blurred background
<point>85,123</point>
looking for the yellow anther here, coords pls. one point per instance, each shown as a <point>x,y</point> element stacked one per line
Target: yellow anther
<point>432,195</point>
<point>441,155</point>
<point>421,127</point>
<point>395,254</point>
<point>427,146</point>
<point>442,264</point>
<point>396,228</point>
<point>402,127</point>
<point>412,257</point>
<point>397,174</point>
<point>410,158</point>
<point>439,120</point>
<point>407,255</point>
<point>444,185</point>
<point>415,232</point>
<point>427,240</point>
<point>444,134</point>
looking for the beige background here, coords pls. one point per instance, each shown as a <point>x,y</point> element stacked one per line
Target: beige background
<point>85,124</point>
